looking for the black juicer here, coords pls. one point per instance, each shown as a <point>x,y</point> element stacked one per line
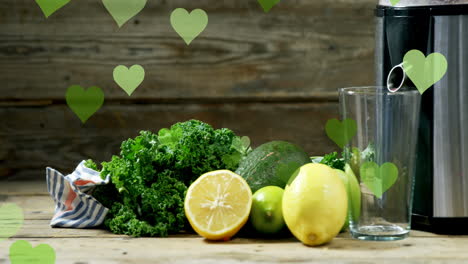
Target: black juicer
<point>441,187</point>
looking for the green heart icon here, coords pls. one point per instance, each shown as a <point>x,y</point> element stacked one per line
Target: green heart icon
<point>129,79</point>
<point>424,72</point>
<point>245,142</point>
<point>378,179</point>
<point>49,7</point>
<point>341,132</point>
<point>268,4</point>
<point>189,26</point>
<point>394,2</point>
<point>84,103</point>
<point>11,220</point>
<point>123,10</point>
<point>21,252</point>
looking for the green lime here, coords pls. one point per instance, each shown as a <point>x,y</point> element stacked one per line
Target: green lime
<point>266,215</point>
<point>354,194</point>
<point>345,180</point>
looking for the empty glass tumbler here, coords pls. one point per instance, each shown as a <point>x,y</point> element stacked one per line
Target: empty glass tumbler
<point>382,129</point>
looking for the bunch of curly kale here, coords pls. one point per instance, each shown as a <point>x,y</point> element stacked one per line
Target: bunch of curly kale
<point>151,175</point>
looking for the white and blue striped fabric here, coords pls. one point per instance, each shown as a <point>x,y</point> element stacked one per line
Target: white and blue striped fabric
<point>74,207</point>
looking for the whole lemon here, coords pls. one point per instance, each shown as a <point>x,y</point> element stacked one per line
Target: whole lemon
<point>315,204</point>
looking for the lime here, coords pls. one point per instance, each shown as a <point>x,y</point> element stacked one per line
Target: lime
<point>345,180</point>
<point>315,204</point>
<point>354,194</point>
<point>266,215</point>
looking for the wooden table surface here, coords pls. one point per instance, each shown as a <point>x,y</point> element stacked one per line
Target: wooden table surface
<point>99,246</point>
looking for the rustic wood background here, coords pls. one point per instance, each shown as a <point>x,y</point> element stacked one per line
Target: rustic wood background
<point>268,76</point>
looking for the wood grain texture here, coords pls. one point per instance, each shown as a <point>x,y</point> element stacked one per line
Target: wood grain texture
<point>18,188</point>
<point>43,136</point>
<point>268,76</point>
<point>97,246</point>
<point>301,48</point>
<point>189,250</point>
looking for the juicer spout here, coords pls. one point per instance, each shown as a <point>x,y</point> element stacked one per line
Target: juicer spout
<point>398,79</point>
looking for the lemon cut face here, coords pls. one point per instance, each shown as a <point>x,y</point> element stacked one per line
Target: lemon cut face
<point>218,204</point>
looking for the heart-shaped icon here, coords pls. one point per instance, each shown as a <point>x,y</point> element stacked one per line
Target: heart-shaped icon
<point>124,10</point>
<point>245,142</point>
<point>84,103</point>
<point>268,4</point>
<point>341,132</point>
<point>129,79</point>
<point>394,2</point>
<point>424,72</point>
<point>11,220</point>
<point>189,26</point>
<point>49,7</point>
<point>21,252</point>
<point>378,179</point>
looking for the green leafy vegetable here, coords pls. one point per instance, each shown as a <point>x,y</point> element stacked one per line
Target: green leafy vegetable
<point>151,175</point>
<point>242,147</point>
<point>369,153</point>
<point>91,164</point>
<point>333,161</point>
<point>354,157</point>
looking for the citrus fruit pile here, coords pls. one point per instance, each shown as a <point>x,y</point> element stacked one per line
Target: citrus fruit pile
<point>310,200</point>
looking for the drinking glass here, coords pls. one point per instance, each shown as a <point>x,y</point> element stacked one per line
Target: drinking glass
<point>381,155</point>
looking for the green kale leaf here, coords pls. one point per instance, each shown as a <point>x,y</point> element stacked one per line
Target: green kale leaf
<point>149,178</point>
<point>91,164</point>
<point>241,145</point>
<point>333,161</point>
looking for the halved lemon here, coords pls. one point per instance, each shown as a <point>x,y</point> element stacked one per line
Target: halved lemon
<point>218,204</point>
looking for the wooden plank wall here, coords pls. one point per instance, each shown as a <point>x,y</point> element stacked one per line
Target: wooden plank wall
<point>268,76</point>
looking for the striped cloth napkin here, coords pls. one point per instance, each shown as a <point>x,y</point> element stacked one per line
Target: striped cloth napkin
<point>74,207</point>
